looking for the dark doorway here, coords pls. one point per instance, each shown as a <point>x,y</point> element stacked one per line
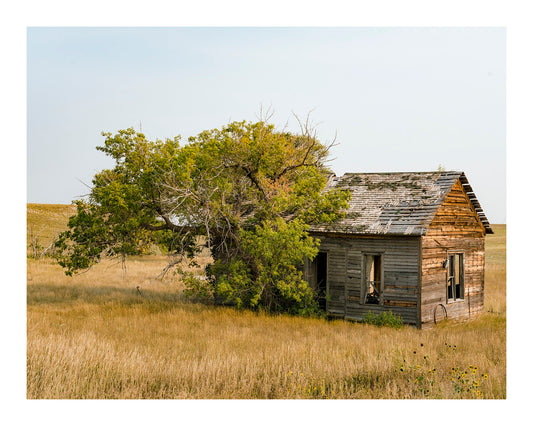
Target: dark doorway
<point>321,278</point>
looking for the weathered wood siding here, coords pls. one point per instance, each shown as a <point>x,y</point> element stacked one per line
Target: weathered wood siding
<point>455,227</point>
<point>401,268</point>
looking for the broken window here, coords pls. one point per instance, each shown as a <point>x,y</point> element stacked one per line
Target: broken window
<point>455,281</point>
<point>372,285</point>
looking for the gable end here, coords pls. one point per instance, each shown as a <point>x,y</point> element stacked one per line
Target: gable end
<point>475,204</point>
<point>457,214</point>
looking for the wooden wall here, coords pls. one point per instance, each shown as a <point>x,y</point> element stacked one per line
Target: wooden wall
<point>400,268</point>
<point>414,277</point>
<point>455,227</point>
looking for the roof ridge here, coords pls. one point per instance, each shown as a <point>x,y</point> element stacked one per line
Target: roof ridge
<point>406,172</point>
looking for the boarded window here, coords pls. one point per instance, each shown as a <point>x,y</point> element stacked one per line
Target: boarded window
<point>456,272</point>
<point>372,279</point>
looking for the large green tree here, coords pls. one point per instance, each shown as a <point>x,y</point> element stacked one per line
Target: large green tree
<point>247,191</point>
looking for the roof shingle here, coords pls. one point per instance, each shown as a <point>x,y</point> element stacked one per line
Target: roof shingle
<point>395,203</point>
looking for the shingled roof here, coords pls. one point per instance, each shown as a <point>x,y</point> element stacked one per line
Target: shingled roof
<point>395,203</point>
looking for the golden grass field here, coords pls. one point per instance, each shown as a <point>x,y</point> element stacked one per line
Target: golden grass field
<point>94,336</point>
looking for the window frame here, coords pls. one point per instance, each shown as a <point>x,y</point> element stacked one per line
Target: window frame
<point>455,258</point>
<point>364,287</point>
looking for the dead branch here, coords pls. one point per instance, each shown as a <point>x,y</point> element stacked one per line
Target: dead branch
<point>170,265</point>
<point>49,247</point>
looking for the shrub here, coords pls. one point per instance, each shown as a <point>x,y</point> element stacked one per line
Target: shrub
<point>387,319</point>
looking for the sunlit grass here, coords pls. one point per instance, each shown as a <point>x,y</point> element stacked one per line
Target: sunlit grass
<point>495,271</point>
<point>95,336</point>
<point>45,222</point>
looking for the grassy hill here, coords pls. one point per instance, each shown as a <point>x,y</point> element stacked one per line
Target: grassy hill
<point>45,222</point>
<point>95,335</point>
<point>495,245</point>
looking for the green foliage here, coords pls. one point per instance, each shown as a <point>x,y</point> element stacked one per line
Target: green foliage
<point>387,319</point>
<point>248,191</point>
<point>92,235</point>
<point>274,250</point>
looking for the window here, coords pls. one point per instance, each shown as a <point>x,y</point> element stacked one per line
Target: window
<point>372,279</point>
<point>456,272</point>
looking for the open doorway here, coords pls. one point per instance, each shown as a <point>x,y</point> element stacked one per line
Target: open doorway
<point>321,262</point>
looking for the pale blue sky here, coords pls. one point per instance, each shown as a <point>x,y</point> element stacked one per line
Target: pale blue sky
<point>399,99</point>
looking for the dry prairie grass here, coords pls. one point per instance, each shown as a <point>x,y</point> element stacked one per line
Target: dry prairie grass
<point>95,336</point>
<point>45,222</point>
<point>495,270</point>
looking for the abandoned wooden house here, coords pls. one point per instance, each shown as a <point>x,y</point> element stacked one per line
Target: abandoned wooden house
<point>410,243</point>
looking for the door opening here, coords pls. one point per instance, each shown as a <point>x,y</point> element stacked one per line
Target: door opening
<point>321,278</point>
